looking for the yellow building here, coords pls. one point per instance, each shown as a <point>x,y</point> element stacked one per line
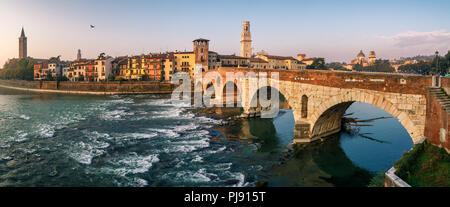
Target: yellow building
<point>168,66</point>
<point>133,69</point>
<point>122,66</point>
<point>78,70</point>
<point>281,62</point>
<point>184,62</point>
<point>233,61</point>
<point>258,63</point>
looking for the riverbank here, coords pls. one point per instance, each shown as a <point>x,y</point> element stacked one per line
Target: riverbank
<point>425,166</point>
<point>90,88</point>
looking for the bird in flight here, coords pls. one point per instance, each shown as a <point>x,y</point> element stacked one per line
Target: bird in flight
<point>92,26</point>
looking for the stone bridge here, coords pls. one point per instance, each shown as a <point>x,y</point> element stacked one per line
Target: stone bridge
<point>319,99</point>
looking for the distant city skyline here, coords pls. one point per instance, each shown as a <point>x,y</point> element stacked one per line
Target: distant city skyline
<point>335,30</point>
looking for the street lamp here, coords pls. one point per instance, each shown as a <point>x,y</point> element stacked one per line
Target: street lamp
<point>437,62</point>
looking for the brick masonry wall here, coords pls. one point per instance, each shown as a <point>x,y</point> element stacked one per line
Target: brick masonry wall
<point>445,82</point>
<point>384,82</point>
<point>437,123</point>
<point>20,83</point>
<point>125,87</point>
<point>116,86</point>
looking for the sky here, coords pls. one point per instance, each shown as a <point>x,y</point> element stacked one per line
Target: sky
<point>336,30</point>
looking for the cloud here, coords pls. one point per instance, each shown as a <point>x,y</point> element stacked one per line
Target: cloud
<point>438,38</point>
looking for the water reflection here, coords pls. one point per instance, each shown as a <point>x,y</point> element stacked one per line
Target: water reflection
<point>345,159</point>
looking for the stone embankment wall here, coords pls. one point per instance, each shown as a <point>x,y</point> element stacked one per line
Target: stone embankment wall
<point>90,87</point>
<point>392,180</point>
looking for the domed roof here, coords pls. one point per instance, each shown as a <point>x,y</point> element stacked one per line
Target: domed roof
<point>361,54</point>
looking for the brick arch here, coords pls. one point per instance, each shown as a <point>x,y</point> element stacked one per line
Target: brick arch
<point>375,100</point>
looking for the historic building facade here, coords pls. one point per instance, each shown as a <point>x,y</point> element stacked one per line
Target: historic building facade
<point>281,62</point>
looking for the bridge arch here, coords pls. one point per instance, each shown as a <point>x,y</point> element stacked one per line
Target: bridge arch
<point>283,103</point>
<point>235,93</point>
<point>327,116</point>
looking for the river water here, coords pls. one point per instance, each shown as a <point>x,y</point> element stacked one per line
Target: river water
<point>145,140</point>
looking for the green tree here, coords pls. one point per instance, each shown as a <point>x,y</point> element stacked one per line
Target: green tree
<point>440,64</point>
<point>144,77</point>
<point>423,68</point>
<point>111,77</point>
<point>49,76</point>
<point>318,64</point>
<point>379,66</point>
<point>22,69</point>
<point>358,67</point>
<point>336,66</point>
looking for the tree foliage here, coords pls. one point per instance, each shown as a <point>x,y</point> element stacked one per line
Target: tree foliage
<point>22,69</point>
<point>439,65</point>
<point>111,77</point>
<point>318,64</point>
<point>336,66</point>
<point>379,66</point>
<point>422,67</point>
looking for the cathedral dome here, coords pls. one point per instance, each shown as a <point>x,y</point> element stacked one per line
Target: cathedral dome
<point>361,54</point>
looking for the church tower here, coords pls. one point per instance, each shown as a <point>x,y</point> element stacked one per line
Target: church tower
<point>79,55</point>
<point>372,58</point>
<point>22,45</point>
<point>246,41</point>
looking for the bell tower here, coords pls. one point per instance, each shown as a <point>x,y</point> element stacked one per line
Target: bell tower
<point>79,55</point>
<point>246,40</point>
<point>22,45</point>
<point>201,52</point>
<point>372,58</point>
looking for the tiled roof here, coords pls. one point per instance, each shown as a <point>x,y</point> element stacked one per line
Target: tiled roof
<point>257,60</point>
<point>189,52</point>
<point>231,57</point>
<point>280,57</point>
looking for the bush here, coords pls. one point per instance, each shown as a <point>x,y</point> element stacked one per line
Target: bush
<point>425,165</point>
<point>405,163</point>
<point>377,180</point>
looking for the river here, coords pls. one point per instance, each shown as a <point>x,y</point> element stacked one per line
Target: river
<point>145,140</point>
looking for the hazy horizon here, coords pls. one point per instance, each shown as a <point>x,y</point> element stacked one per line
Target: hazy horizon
<point>335,30</point>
